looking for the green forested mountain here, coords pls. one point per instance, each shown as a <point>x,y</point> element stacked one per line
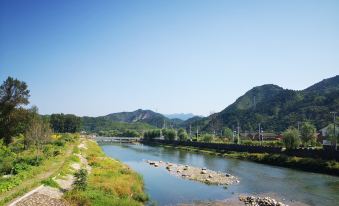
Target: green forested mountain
<point>136,120</point>
<point>277,108</point>
<point>273,107</point>
<point>143,116</point>
<point>96,124</point>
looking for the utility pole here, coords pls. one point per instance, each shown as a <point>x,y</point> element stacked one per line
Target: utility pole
<point>233,134</point>
<point>298,126</point>
<point>334,120</point>
<point>190,132</point>
<point>259,134</point>
<point>238,140</point>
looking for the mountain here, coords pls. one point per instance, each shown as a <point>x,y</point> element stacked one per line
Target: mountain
<point>182,116</point>
<point>96,124</point>
<point>325,86</point>
<point>144,116</point>
<point>277,108</point>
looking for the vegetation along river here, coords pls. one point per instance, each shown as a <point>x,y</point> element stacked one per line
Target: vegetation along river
<point>166,189</point>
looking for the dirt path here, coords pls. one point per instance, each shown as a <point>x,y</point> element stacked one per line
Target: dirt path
<point>49,196</point>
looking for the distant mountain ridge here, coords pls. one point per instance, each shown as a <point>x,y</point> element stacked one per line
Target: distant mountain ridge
<point>270,105</point>
<point>182,116</point>
<point>277,108</point>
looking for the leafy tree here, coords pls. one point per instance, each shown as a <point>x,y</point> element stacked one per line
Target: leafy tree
<point>291,138</point>
<point>182,134</point>
<point>227,132</point>
<point>68,123</point>
<point>130,133</point>
<point>308,133</point>
<point>151,134</point>
<point>169,134</point>
<point>13,94</point>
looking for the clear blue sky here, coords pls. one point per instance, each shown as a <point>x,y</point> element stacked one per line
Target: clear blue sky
<point>96,57</point>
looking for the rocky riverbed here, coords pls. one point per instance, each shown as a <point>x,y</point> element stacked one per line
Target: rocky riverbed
<point>195,173</point>
<point>260,201</point>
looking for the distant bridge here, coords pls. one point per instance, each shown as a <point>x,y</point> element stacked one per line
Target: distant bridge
<point>117,139</point>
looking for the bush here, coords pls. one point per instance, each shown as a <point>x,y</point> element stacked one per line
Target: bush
<point>7,159</point>
<point>6,165</point>
<point>59,143</point>
<point>80,182</point>
<point>207,138</point>
<point>20,167</point>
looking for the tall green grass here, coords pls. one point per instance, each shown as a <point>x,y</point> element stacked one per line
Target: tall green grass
<point>109,183</point>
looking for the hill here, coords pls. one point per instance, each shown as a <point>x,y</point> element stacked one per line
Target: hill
<point>277,108</point>
<point>144,116</point>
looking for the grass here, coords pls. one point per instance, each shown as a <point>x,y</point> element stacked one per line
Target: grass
<point>50,182</point>
<point>109,183</point>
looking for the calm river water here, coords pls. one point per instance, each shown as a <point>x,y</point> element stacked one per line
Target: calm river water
<point>164,189</point>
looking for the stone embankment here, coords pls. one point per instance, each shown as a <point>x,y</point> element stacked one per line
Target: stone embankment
<point>195,173</point>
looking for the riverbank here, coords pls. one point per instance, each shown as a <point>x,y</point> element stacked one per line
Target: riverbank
<point>109,183</point>
<point>52,161</point>
<point>330,167</point>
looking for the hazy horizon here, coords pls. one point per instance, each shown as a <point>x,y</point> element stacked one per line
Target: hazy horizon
<point>94,58</point>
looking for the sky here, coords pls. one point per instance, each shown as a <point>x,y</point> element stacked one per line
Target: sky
<point>93,58</point>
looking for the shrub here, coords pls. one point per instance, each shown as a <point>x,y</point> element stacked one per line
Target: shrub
<point>207,138</point>
<point>81,179</point>
<point>6,165</point>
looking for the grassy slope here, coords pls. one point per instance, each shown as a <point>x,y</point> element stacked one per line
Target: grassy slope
<point>109,183</point>
<point>27,180</point>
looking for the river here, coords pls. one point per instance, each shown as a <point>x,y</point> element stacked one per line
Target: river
<point>165,189</point>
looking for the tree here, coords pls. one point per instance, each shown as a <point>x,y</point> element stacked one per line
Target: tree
<point>151,134</point>
<point>308,133</point>
<point>13,94</point>
<point>291,138</point>
<point>130,133</point>
<point>227,132</point>
<point>38,133</point>
<point>68,123</point>
<point>182,134</point>
<point>169,134</point>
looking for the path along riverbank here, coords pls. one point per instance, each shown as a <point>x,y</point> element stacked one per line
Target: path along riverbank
<point>45,195</point>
